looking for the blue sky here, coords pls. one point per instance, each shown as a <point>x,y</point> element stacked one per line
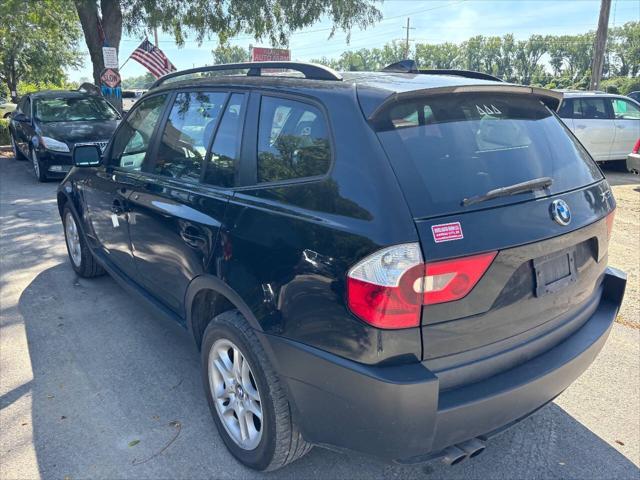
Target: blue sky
<point>435,21</point>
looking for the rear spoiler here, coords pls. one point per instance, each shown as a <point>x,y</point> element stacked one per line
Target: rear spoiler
<point>550,98</point>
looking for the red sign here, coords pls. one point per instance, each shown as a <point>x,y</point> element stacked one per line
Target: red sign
<point>259,54</point>
<point>445,232</point>
<point>110,78</point>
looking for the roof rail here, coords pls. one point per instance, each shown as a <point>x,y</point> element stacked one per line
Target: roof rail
<point>461,73</point>
<point>311,71</point>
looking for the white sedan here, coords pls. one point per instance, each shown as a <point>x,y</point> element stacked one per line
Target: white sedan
<point>607,125</point>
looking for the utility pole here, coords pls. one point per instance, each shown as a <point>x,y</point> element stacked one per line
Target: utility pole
<point>600,46</point>
<point>406,45</point>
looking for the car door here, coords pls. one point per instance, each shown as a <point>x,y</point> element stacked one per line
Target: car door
<point>176,217</point>
<point>627,121</point>
<point>565,112</point>
<point>594,125</point>
<point>106,191</point>
<point>24,129</point>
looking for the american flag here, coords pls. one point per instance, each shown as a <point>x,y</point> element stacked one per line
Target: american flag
<point>153,59</point>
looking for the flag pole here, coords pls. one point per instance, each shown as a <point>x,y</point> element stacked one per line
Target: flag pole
<point>125,62</point>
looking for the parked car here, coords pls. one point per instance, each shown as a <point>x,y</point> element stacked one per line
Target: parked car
<point>633,159</point>
<point>129,97</point>
<point>607,125</point>
<point>349,254</point>
<point>634,95</point>
<point>7,107</point>
<point>47,125</point>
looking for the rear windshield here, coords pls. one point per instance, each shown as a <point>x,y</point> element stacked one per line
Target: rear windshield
<point>448,148</point>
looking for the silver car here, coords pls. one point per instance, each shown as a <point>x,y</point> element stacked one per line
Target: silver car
<point>607,125</point>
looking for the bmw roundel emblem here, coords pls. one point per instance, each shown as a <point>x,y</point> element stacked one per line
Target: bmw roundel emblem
<point>561,212</point>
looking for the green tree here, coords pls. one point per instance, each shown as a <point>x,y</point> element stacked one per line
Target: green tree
<point>229,54</point>
<point>527,56</point>
<point>38,40</point>
<point>275,20</point>
<point>141,82</point>
<point>471,53</point>
<point>443,55</point>
<point>624,44</point>
<point>507,58</point>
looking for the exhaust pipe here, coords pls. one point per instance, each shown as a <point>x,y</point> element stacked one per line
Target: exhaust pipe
<point>472,448</point>
<point>453,456</point>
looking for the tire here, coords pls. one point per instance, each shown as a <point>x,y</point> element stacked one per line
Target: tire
<point>280,442</point>
<point>17,154</point>
<point>81,258</point>
<point>37,167</point>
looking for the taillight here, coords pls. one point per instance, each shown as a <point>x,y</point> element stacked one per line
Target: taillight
<point>453,279</point>
<point>636,147</point>
<point>610,219</point>
<point>388,288</point>
<point>380,287</point>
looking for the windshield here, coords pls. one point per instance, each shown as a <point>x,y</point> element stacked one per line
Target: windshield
<point>448,148</point>
<point>74,109</point>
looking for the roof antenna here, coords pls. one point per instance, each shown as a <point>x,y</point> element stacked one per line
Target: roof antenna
<point>403,66</point>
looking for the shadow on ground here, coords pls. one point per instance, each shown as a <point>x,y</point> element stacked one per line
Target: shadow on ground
<point>109,379</point>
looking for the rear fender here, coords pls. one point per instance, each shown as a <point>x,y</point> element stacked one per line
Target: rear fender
<point>209,282</point>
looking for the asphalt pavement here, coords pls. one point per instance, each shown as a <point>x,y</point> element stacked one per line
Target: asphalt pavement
<point>92,385</point>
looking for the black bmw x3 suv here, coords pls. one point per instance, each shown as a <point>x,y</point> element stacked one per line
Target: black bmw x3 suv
<point>401,263</point>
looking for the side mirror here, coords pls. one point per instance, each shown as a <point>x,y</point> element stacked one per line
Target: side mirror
<point>20,117</point>
<point>86,156</point>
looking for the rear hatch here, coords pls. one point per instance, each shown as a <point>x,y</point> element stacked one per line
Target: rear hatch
<point>452,153</point>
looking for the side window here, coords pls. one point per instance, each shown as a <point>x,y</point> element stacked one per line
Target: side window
<point>625,110</point>
<point>594,109</point>
<point>220,170</point>
<point>187,134</point>
<point>131,143</point>
<point>25,106</point>
<point>566,110</point>
<point>293,141</point>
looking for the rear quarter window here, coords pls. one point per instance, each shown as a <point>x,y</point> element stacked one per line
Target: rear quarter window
<point>464,145</point>
<point>293,140</point>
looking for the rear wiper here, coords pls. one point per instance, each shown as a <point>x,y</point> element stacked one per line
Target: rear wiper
<point>528,186</point>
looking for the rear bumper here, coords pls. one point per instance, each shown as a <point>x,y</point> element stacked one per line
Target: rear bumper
<point>633,162</point>
<point>398,412</point>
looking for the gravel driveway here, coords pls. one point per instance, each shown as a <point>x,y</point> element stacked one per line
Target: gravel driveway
<point>93,386</point>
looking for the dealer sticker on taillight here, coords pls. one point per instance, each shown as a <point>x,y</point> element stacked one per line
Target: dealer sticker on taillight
<point>445,232</point>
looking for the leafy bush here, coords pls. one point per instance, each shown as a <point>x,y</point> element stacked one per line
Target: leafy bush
<point>623,85</point>
<point>4,131</point>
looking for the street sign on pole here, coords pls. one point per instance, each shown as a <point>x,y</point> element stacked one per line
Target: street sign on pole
<point>110,86</point>
<point>260,54</point>
<point>110,57</point>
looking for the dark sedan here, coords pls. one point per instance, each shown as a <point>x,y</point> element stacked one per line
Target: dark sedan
<point>46,126</point>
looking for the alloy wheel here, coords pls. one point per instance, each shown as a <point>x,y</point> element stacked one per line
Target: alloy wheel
<point>15,148</point>
<point>235,394</point>
<point>36,164</point>
<point>73,239</point>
